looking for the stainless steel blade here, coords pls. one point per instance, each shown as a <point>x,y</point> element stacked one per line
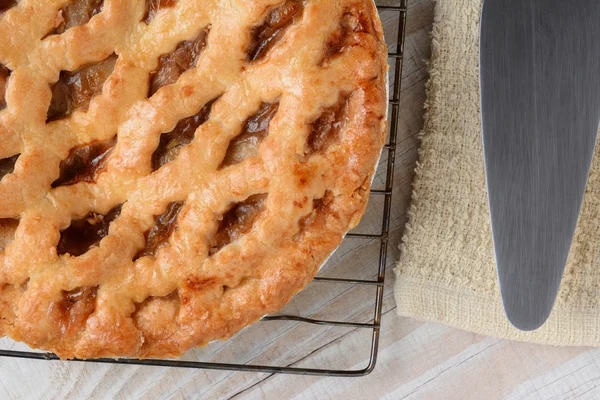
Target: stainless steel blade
<point>540,99</point>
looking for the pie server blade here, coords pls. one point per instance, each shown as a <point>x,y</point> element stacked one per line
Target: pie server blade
<point>540,103</point>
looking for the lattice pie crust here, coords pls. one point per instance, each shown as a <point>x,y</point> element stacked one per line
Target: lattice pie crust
<point>172,170</point>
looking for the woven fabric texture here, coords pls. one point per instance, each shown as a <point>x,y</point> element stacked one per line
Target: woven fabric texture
<point>447,272</point>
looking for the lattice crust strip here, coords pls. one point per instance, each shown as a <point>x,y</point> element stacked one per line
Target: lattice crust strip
<point>172,170</point>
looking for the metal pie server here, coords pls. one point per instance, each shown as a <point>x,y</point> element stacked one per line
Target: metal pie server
<point>540,103</point>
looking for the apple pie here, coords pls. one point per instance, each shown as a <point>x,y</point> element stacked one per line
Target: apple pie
<point>172,170</point>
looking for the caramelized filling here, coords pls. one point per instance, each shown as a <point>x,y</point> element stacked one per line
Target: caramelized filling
<point>256,129</point>
<point>171,66</point>
<point>76,306</point>
<point>266,35</point>
<point>165,225</point>
<point>326,129</point>
<point>238,221</point>
<point>4,75</point>
<point>6,4</point>
<point>8,227</point>
<point>7,165</point>
<point>319,208</point>
<point>154,6</point>
<point>85,233</point>
<point>84,163</point>
<point>77,13</point>
<point>74,90</point>
<point>183,134</point>
<point>354,21</point>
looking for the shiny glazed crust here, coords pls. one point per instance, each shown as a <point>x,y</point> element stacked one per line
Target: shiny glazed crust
<point>328,68</point>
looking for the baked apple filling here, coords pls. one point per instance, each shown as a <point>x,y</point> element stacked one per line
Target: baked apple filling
<point>154,6</point>
<point>326,129</point>
<point>4,75</point>
<point>84,163</point>
<point>75,89</point>
<point>255,130</point>
<point>266,35</point>
<point>6,4</point>
<point>238,221</point>
<point>77,13</point>
<point>320,209</point>
<point>171,66</point>
<point>7,165</point>
<point>183,134</point>
<point>75,307</point>
<point>353,21</point>
<point>85,233</point>
<point>165,225</point>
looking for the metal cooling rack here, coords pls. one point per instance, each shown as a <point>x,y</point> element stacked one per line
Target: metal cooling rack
<point>394,109</point>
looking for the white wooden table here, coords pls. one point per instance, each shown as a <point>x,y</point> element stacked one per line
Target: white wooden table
<point>416,360</point>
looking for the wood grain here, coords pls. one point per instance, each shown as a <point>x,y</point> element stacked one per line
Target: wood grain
<point>416,360</point>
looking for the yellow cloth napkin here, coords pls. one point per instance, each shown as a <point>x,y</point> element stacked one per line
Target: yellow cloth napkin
<point>447,272</point>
